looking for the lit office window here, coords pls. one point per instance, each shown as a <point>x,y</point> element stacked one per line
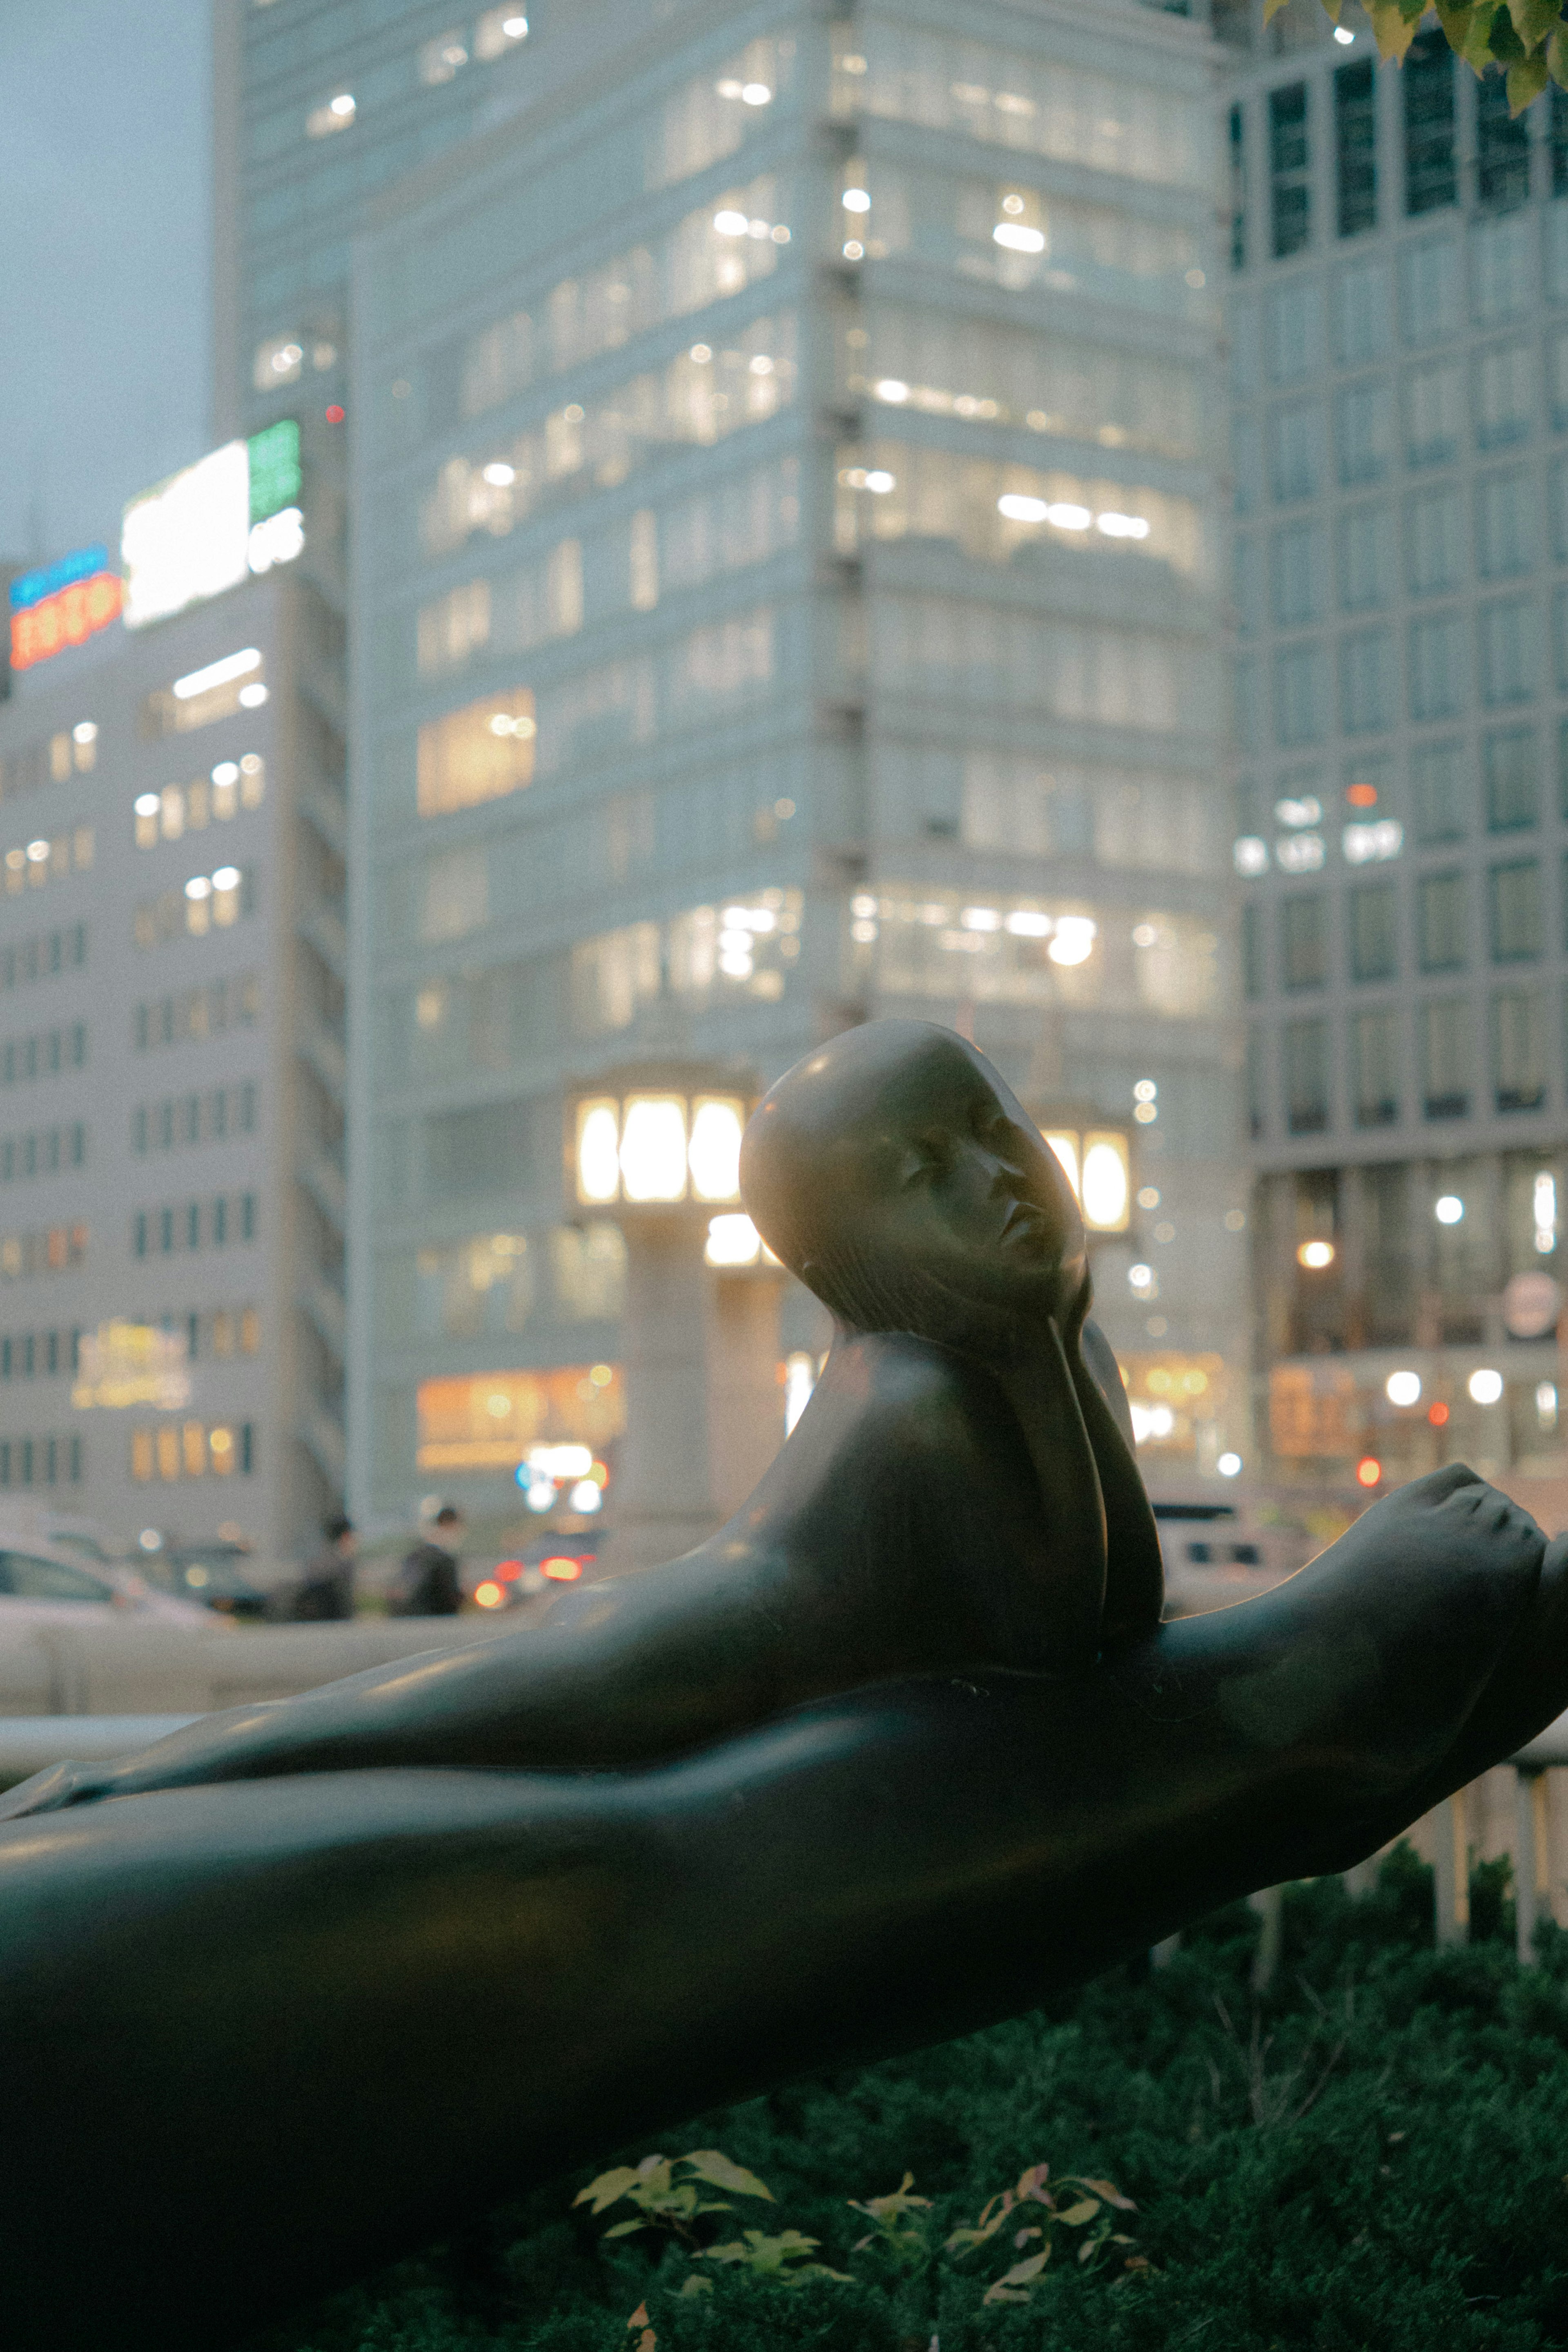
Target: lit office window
<point>443,57</point>
<point>478,754</point>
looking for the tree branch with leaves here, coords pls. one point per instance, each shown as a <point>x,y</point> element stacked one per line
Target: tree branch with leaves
<point>1527,40</point>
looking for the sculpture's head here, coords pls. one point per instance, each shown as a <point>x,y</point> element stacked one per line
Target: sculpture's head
<point>893,1170</point>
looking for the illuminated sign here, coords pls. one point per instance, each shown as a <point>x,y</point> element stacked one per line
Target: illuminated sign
<point>32,587</point>
<point>211,526</point>
<point>68,618</point>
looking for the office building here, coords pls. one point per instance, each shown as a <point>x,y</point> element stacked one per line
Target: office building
<point>785,593</point>
<point>1399,322</point>
<point>171,1168</point>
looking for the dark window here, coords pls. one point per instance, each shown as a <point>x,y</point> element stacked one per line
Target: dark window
<point>165,1230</point>
<point>247,1217</point>
<point>1252,980</point>
<point>1237,188</point>
<point>1515,899</point>
<point>76,1461</point>
<point>1375,1043</point>
<point>1440,922</point>
<point>140,1242</point>
<point>1303,942</point>
<point>1373,933</point>
<point>247,1446</point>
<point>51,1351</point>
<point>1513,780</point>
<point>193,1335</point>
<point>1517,1050</point>
<point>1290,169</point>
<point>220,1221</point>
<point>29,1356</point>
<point>1557,139</point>
<point>1502,149</point>
<point>1427,86</point>
<point>1356,147</point>
<point>1307,1076</point>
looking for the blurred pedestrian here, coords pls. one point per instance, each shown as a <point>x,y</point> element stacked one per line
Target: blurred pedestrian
<point>326,1594</point>
<point>428,1586</point>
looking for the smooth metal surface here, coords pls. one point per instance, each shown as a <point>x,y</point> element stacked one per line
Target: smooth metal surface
<point>30,1742</point>
<point>902,1749</point>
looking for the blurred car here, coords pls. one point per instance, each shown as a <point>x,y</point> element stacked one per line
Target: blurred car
<point>43,1583</point>
<point>214,1575</point>
<point>543,1563</point>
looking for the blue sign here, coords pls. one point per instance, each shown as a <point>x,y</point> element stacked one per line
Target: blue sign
<point>30,588</point>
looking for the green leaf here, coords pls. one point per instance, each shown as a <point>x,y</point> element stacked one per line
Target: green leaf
<point>1526,81</point>
<point>1271,9</point>
<point>1458,25</point>
<point>1534,19</point>
<point>1505,43</point>
<point>1390,28</point>
<point>696,2284</point>
<point>1076,2215</point>
<point>1112,2195</point>
<point>608,2188</point>
<point>625,2228</point>
<point>712,2165</point>
<point>1556,55</point>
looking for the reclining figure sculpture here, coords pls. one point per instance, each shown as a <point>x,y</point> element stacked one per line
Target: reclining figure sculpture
<point>901,1749</point>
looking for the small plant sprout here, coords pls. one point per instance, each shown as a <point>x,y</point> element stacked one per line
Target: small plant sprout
<point>900,2233</point>
<point>666,2202</point>
<point>1073,2203</point>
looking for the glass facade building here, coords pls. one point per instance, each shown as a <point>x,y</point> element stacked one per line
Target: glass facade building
<point>1398,321</point>
<point>785,592</point>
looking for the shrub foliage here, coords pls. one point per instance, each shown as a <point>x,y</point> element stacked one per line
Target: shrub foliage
<point>1370,2158</point>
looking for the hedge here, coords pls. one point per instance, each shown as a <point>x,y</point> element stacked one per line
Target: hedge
<point>1370,2158</point>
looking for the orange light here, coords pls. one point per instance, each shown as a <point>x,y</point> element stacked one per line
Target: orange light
<point>508,1572</point>
<point>489,1595</point>
<point>1368,1471</point>
<point>1362,795</point>
<point>561,1570</point>
<point>1438,1414</point>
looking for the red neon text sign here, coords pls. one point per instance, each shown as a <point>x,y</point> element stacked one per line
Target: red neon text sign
<point>66,618</point>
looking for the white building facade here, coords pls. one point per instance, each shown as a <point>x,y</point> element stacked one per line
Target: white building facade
<point>168,800</point>
<point>786,592</point>
<point>1399,322</point>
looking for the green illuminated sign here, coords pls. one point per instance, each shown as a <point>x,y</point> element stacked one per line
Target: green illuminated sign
<point>276,480</point>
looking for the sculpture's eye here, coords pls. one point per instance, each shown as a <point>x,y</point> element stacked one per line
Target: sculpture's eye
<point>924,1160</point>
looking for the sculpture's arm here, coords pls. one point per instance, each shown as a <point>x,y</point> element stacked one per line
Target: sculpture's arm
<point>1134,1570</point>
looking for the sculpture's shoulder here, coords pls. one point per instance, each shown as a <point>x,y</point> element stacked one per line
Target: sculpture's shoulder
<point>911,1397</point>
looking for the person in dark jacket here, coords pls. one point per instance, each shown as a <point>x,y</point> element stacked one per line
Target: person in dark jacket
<point>326,1594</point>
<point>429,1586</point>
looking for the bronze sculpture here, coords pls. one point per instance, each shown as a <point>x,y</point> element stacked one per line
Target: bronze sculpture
<point>903,1747</point>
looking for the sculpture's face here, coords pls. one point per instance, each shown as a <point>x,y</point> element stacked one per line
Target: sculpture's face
<point>944,1171</point>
